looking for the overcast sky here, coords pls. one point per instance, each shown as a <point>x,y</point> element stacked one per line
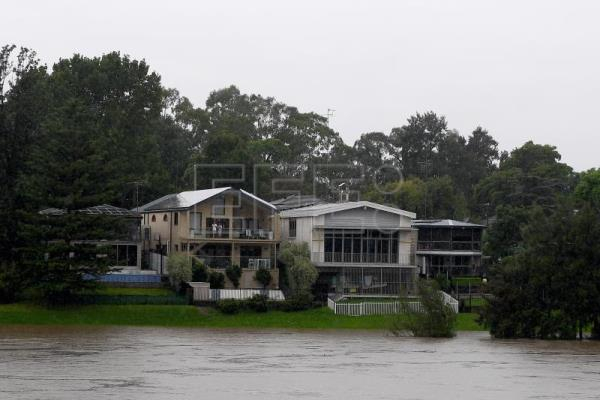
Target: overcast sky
<point>524,70</point>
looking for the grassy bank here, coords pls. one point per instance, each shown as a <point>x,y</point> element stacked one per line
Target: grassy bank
<point>190,316</point>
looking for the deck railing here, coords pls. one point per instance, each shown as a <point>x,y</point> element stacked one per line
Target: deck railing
<point>362,258</point>
<point>227,233</point>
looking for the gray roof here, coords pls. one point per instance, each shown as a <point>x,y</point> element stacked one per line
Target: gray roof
<point>107,209</point>
<point>183,200</point>
<point>444,223</point>
<point>296,201</point>
<point>328,208</point>
<point>102,209</point>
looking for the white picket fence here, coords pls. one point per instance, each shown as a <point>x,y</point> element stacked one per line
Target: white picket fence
<point>244,294</point>
<point>382,308</point>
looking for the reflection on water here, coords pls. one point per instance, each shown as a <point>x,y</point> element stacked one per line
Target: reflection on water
<point>151,363</point>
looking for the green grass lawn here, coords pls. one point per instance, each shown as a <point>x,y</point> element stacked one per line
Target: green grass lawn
<point>191,316</point>
<point>466,280</point>
<point>475,302</point>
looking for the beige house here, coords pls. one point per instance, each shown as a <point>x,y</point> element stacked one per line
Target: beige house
<point>220,226</point>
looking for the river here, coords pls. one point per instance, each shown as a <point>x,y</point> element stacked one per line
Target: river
<point>154,363</point>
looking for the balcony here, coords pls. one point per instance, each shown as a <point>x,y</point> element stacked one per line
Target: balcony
<point>222,262</point>
<point>241,234</point>
<point>448,246</point>
<point>362,258</point>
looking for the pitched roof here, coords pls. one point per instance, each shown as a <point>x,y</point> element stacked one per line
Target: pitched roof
<point>102,209</point>
<point>296,201</point>
<point>328,208</point>
<point>107,209</point>
<point>190,198</point>
<point>444,223</point>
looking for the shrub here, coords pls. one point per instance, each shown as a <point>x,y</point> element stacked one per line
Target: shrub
<point>234,273</point>
<point>257,303</point>
<point>435,319</point>
<point>217,280</point>
<point>179,266</point>
<point>263,276</point>
<point>199,271</point>
<point>301,274</point>
<point>229,306</point>
<point>298,302</point>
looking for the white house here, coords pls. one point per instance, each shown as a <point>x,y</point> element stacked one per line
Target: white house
<point>359,248</point>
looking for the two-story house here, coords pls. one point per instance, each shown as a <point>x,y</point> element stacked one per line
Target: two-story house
<point>359,248</point>
<point>448,247</point>
<point>220,226</point>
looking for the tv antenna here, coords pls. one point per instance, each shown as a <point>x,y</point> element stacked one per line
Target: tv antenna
<point>329,114</point>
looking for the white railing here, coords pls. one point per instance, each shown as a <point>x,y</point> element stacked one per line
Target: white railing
<point>244,294</point>
<point>383,308</point>
<point>258,263</point>
<point>451,301</point>
<point>362,258</point>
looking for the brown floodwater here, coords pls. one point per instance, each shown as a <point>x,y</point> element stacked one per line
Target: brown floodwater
<point>155,363</point>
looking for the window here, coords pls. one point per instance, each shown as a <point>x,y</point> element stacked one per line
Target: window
<point>176,247</point>
<point>165,218</point>
<point>146,233</point>
<point>153,218</point>
<point>219,206</point>
<point>176,218</point>
<point>292,227</point>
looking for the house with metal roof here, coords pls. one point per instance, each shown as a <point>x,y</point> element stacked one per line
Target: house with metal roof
<point>218,226</point>
<point>449,247</point>
<point>359,248</point>
<point>296,201</point>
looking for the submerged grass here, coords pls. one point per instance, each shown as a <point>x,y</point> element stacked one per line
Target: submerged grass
<point>191,316</point>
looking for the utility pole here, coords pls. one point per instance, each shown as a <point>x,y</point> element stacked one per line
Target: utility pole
<point>137,193</point>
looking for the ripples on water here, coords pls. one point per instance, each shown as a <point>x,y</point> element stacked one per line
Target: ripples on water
<point>151,363</point>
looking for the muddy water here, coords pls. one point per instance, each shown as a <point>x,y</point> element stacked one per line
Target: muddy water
<point>150,363</point>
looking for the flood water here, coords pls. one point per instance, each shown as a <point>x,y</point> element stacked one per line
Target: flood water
<point>150,363</point>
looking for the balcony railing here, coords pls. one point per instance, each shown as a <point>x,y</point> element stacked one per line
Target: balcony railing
<point>248,234</point>
<point>222,262</point>
<point>449,246</point>
<point>362,258</point>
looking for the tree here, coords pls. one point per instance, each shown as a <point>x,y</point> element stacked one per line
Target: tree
<point>588,188</point>
<point>532,174</point>
<point>179,266</point>
<point>216,280</point>
<point>263,276</point>
<point>234,273</point>
<point>417,143</point>
<point>23,103</point>
<point>435,318</point>
<point>374,152</point>
<point>199,271</point>
<point>550,287</point>
<point>302,274</point>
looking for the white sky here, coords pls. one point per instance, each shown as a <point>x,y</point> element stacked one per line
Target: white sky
<point>521,69</point>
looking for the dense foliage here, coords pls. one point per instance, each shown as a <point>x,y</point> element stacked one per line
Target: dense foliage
<point>435,318</point>
<point>179,266</point>
<point>302,274</point>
